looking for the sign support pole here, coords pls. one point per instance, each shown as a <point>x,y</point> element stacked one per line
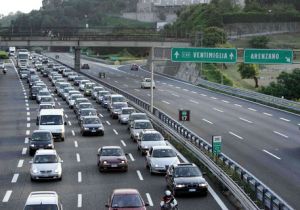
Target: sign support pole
<point>152,78</point>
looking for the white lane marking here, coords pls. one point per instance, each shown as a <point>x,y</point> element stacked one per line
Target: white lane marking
<point>278,158</point>
<point>79,177</point>
<point>58,103</point>
<point>124,144</point>
<point>25,95</point>
<point>265,113</point>
<point>131,157</point>
<point>125,85</point>
<point>26,100</point>
<point>77,157</point>
<point>26,104</point>
<point>239,137</point>
<point>213,98</point>
<point>136,90</point>
<point>287,120</point>
<point>66,115</point>
<point>218,110</point>
<point>7,196</point>
<point>178,87</point>
<point>108,123</point>
<point>205,120</point>
<point>28,118</point>
<point>28,125</point>
<point>238,105</point>
<point>217,198</point>
<point>79,201</point>
<point>116,81</point>
<point>26,140</point>
<point>164,83</point>
<point>69,123</point>
<point>245,120</point>
<point>115,131</point>
<point>24,150</point>
<point>27,132</point>
<point>148,94</point>
<point>173,94</point>
<point>27,108</point>
<point>227,102</point>
<point>28,113</point>
<point>165,102</point>
<point>254,110</point>
<point>203,95</point>
<point>194,92</point>
<point>139,175</point>
<point>100,115</point>
<point>20,163</point>
<point>280,134</point>
<point>170,85</point>
<point>195,102</point>
<point>55,99</point>
<point>75,143</point>
<point>15,178</point>
<point>73,132</point>
<point>149,199</point>
<point>186,90</point>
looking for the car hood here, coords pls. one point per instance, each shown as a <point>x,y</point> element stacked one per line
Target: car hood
<point>92,125</point>
<point>124,116</point>
<point>45,166</point>
<point>185,180</point>
<point>112,158</point>
<point>152,143</point>
<point>162,162</point>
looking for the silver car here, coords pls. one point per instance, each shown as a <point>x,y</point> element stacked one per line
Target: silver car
<point>43,200</point>
<point>46,164</point>
<point>137,127</point>
<point>148,139</point>
<point>124,115</point>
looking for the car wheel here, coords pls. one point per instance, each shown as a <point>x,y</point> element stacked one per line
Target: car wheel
<point>151,172</point>
<point>102,133</point>
<point>32,179</point>
<point>31,152</point>
<point>62,138</point>
<point>138,148</point>
<point>60,178</point>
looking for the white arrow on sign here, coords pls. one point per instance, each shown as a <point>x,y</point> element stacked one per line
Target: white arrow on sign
<point>176,54</point>
<point>288,59</point>
<point>231,56</point>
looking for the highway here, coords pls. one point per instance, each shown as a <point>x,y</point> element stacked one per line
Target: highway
<point>263,140</point>
<point>82,185</point>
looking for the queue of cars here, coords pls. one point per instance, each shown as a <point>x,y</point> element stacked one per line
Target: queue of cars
<point>160,157</point>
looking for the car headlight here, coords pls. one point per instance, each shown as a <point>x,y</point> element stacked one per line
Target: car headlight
<point>203,185</point>
<point>123,161</point>
<point>86,129</point>
<point>50,145</point>
<point>35,171</point>
<point>156,165</point>
<point>104,162</point>
<point>180,185</point>
<point>32,145</point>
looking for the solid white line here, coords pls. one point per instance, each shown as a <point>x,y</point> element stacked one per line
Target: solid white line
<point>69,123</point>
<point>139,175</point>
<point>278,158</point>
<point>195,102</point>
<point>254,110</point>
<point>77,157</point>
<point>7,196</point>
<point>28,118</point>
<point>185,90</point>
<point>248,121</point>
<point>24,150</point>
<point>227,102</point>
<point>101,115</point>
<point>284,119</point>
<point>20,163</point>
<point>27,132</point>
<point>26,104</point>
<point>217,198</point>
<point>73,132</point>
<point>124,144</point>
<point>26,140</point>
<point>203,95</point>
<point>28,113</point>
<point>79,177</point>
<point>15,178</point>
<point>108,123</point>
<point>27,108</point>
<point>165,102</point>
<point>213,98</point>
<point>205,120</point>
<point>76,144</point>
<point>265,113</point>
<point>79,201</point>
<point>280,134</point>
<point>115,131</point>
<point>66,115</point>
<point>131,157</point>
<point>28,125</point>
<point>218,110</point>
<point>175,95</point>
<point>235,135</point>
<point>149,199</point>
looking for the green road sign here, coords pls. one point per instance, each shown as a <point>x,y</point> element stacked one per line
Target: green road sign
<point>204,55</point>
<point>268,56</point>
<point>216,144</point>
<point>184,115</point>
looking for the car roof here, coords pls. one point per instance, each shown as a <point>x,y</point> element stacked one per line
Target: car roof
<point>46,152</point>
<point>137,121</point>
<point>185,165</point>
<point>162,147</point>
<point>138,113</point>
<point>111,147</point>
<point>126,191</point>
<point>88,109</point>
<point>89,117</point>
<point>41,131</point>
<point>42,197</point>
<point>149,131</point>
<point>52,111</point>
<point>129,107</point>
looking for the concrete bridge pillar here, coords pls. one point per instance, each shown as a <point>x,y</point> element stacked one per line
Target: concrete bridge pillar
<point>77,59</point>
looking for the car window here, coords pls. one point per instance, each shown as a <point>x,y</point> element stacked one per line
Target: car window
<point>41,136</point>
<point>152,137</point>
<point>85,105</point>
<point>88,112</point>
<point>41,207</point>
<point>143,125</point>
<point>119,106</point>
<point>161,153</point>
<point>127,111</point>
<point>126,201</point>
<point>187,172</point>
<point>51,120</point>
<point>45,159</point>
<point>118,99</point>
<point>91,121</point>
<point>111,152</point>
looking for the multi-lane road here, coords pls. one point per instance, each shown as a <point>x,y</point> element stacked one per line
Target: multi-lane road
<point>263,140</point>
<point>82,185</point>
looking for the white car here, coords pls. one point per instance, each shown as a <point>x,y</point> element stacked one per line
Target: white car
<point>82,84</point>
<point>159,158</point>
<point>137,126</point>
<point>148,139</point>
<point>146,83</point>
<point>124,115</point>
<point>43,200</point>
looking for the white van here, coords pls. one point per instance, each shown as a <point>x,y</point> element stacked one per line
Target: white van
<point>53,120</point>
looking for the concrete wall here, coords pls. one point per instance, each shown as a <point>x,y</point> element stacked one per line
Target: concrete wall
<point>149,17</point>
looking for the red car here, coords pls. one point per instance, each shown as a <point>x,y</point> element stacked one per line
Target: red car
<point>126,199</point>
<point>134,67</point>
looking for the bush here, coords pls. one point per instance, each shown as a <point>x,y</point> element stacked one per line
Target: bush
<point>211,73</point>
<point>259,42</point>
<point>3,55</point>
<point>213,36</point>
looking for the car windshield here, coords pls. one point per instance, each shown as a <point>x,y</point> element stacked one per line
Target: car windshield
<point>138,117</point>
<point>88,86</point>
<point>88,112</point>
<point>45,159</point>
<point>39,136</point>
<point>127,111</point>
<point>119,106</point>
<point>98,89</point>
<point>187,172</point>
<point>103,93</point>
<point>111,152</point>
<point>46,106</point>
<point>152,137</point>
<point>126,201</point>
<point>41,207</point>
<point>73,97</point>
<point>161,153</point>
<point>118,99</point>
<point>51,120</point>
<point>85,106</point>
<point>143,125</point>
<point>44,93</point>
<point>91,121</point>
<point>47,99</point>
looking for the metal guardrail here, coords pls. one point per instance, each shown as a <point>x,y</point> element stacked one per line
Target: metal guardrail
<point>195,143</point>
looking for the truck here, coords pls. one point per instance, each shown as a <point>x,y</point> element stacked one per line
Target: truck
<point>22,58</point>
<point>11,51</point>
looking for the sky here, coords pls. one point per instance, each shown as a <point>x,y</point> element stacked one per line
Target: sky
<point>24,6</point>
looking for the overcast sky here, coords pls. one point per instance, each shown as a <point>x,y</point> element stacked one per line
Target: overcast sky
<point>25,6</point>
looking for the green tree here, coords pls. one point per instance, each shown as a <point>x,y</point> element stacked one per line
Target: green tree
<point>249,71</point>
<point>259,42</point>
<point>213,36</point>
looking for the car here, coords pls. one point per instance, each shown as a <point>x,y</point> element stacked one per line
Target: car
<point>91,125</point>
<point>137,126</point>
<point>126,198</point>
<point>185,178</point>
<point>65,92</point>
<point>85,66</point>
<point>66,72</point>
<point>40,139</point>
<point>116,109</point>
<point>47,100</point>
<point>72,76</point>
<point>134,67</point>
<point>148,139</point>
<point>87,112</point>
<point>105,101</point>
<point>61,86</point>
<point>95,91</point>
<point>115,98</point>
<point>159,158</point>
<point>78,79</point>
<point>72,98</point>
<point>43,200</point>
<point>82,106</point>
<point>23,73</point>
<point>34,92</point>
<point>78,101</point>
<point>136,116</point>
<point>124,114</point>
<point>100,96</point>
<point>88,87</point>
<point>43,106</point>
<point>111,158</point>
<point>82,84</point>
<point>46,164</point>
<point>41,93</point>
<point>146,83</point>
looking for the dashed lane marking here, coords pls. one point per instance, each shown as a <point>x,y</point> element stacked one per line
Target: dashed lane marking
<point>213,98</point>
<point>203,95</point>
<point>15,178</point>
<point>238,105</point>
<point>26,140</point>
<point>139,175</point>
<point>149,199</point>
<point>186,90</point>
<point>20,163</point>
<point>278,158</point>
<point>280,134</point>
<point>251,109</point>
<point>227,102</point>
<point>79,201</point>
<point>28,119</point>
<point>76,144</point>
<point>26,104</point>
<point>24,150</point>
<point>28,125</point>
<point>7,196</point>
<point>73,132</point>
<point>286,120</point>
<point>131,157</point>
<point>79,177</point>
<point>100,115</point>
<point>268,114</point>
<point>218,110</point>
<point>28,132</point>
<point>27,108</point>
<point>70,123</point>
<point>195,102</point>
<point>108,123</point>
<point>123,143</point>
<point>173,94</point>
<point>115,132</point>
<point>77,157</point>
<point>205,120</point>
<point>165,102</point>
<point>28,113</point>
<point>66,115</point>
<point>239,137</point>
<point>245,120</point>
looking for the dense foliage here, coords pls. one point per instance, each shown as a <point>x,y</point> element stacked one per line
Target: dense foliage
<point>259,42</point>
<point>3,55</point>
<point>249,71</point>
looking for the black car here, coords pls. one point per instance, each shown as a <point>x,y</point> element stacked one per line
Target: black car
<point>185,178</point>
<point>134,67</point>
<point>91,125</point>
<point>77,79</point>
<point>34,91</point>
<point>40,139</point>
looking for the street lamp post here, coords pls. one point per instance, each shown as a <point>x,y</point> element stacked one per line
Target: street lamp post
<point>86,21</point>
<point>152,77</point>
